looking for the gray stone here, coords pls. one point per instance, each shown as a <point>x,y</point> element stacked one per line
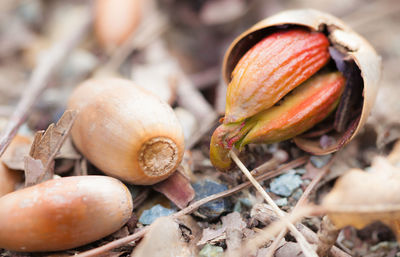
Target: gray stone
<point>150,215</point>
<point>285,184</point>
<point>206,188</point>
<point>281,201</point>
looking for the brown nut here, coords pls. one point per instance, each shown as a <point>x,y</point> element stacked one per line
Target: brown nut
<point>354,57</point>
<point>9,178</point>
<point>126,131</point>
<point>63,213</point>
<point>116,20</point>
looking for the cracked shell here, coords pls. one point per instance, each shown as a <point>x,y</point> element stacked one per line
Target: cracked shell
<point>363,66</point>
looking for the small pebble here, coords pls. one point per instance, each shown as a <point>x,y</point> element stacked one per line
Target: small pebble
<point>246,202</point>
<point>285,184</point>
<point>206,188</point>
<point>211,251</point>
<point>281,201</point>
<point>320,161</point>
<point>150,215</point>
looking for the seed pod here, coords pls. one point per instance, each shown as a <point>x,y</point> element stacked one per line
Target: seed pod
<point>126,131</point>
<point>63,213</point>
<point>115,20</point>
<point>276,55</point>
<point>354,57</point>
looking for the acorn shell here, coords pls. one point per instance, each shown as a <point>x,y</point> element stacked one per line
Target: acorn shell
<point>63,213</point>
<point>341,37</point>
<point>126,131</point>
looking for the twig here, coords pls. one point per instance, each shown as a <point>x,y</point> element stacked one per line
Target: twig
<point>272,248</point>
<point>270,216</point>
<point>39,80</point>
<point>152,27</point>
<point>192,207</point>
<point>305,246</point>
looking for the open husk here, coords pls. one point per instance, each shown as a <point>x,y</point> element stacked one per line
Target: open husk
<point>363,66</point>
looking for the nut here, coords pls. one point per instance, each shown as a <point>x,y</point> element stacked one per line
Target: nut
<point>63,213</point>
<point>126,131</point>
<point>250,95</point>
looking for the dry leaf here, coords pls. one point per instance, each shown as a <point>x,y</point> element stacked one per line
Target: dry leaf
<point>45,147</point>
<point>360,198</point>
<point>36,171</point>
<point>231,223</point>
<point>235,226</point>
<point>164,239</point>
<point>176,188</point>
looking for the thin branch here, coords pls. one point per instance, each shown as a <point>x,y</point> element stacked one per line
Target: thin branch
<point>192,207</point>
<point>40,77</point>
<point>305,246</point>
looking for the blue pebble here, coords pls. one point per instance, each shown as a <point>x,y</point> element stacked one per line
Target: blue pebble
<point>285,184</point>
<point>206,188</point>
<point>150,215</point>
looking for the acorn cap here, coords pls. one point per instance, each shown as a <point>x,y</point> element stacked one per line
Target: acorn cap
<point>353,47</point>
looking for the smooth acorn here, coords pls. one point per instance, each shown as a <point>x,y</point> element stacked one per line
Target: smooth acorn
<point>116,20</point>
<point>270,62</point>
<point>10,177</point>
<point>63,213</point>
<point>126,131</point>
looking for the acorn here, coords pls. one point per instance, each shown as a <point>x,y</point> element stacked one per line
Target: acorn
<point>267,66</point>
<point>11,177</point>
<point>116,20</point>
<point>126,131</point>
<point>63,213</point>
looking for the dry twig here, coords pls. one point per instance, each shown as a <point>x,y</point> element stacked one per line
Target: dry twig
<point>39,80</point>
<point>302,201</point>
<point>305,246</point>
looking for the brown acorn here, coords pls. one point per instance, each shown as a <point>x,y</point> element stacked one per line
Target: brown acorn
<point>9,178</point>
<point>63,213</point>
<point>126,131</point>
<point>116,20</point>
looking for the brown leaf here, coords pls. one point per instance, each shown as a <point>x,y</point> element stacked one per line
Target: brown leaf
<point>176,188</point>
<point>45,148</point>
<point>234,225</point>
<point>164,238</point>
<point>36,171</point>
<point>231,225</point>
<point>360,198</point>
